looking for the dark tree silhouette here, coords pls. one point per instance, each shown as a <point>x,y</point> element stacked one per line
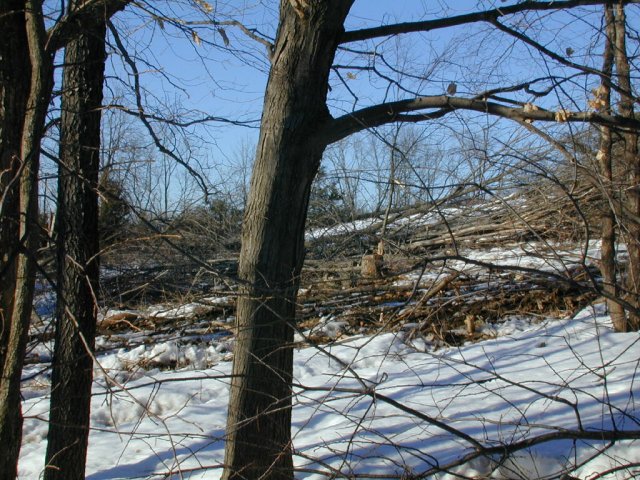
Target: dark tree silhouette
<point>77,254</point>
<point>26,82</point>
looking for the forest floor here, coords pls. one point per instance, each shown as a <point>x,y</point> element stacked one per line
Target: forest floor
<point>479,360</point>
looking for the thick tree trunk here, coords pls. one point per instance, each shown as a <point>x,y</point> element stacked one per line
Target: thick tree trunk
<point>287,159</point>
<point>18,258</point>
<point>608,263</point>
<point>77,254</point>
<point>631,164</point>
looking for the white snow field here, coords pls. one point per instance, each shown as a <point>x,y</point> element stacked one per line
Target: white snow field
<point>378,407</point>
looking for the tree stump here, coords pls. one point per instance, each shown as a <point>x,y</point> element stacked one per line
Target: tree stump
<point>371,266</point>
<point>470,322</point>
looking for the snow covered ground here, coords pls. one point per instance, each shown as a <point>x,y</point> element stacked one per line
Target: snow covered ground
<point>378,406</point>
<point>541,397</point>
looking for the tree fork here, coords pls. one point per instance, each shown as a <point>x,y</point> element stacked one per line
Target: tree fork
<point>287,159</point>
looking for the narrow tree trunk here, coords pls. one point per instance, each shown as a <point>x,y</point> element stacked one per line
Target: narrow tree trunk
<point>287,159</point>
<point>14,91</point>
<point>77,255</point>
<point>608,249</point>
<point>12,108</point>
<point>18,259</point>
<point>631,163</point>
<point>392,183</point>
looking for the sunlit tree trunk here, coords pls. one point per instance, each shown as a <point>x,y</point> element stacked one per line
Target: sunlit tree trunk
<point>287,159</point>
<point>608,263</point>
<point>77,255</point>
<point>631,167</point>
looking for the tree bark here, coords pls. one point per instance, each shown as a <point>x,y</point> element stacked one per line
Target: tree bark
<point>287,159</point>
<point>26,82</point>
<point>77,254</point>
<point>631,166</point>
<point>15,70</point>
<point>13,97</point>
<point>608,262</point>
<point>18,257</point>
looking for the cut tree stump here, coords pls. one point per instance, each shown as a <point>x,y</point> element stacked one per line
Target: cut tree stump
<point>371,266</point>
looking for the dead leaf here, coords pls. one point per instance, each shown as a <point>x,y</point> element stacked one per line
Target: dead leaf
<point>529,107</point>
<point>224,36</point>
<point>562,115</point>
<point>196,38</point>
<point>205,6</point>
<point>599,100</point>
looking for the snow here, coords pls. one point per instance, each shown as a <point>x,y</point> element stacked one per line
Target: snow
<point>416,220</point>
<point>346,228</point>
<point>370,405</point>
<point>363,405</point>
<point>187,310</point>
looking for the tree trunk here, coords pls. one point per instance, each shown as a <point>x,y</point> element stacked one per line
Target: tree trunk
<point>25,99</point>
<point>631,164</point>
<point>392,181</point>
<point>287,159</point>
<point>14,91</point>
<point>608,263</point>
<point>13,97</point>
<point>77,255</point>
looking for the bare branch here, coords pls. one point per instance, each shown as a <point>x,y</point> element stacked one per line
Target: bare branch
<point>183,123</point>
<point>81,19</point>
<point>145,119</point>
<point>541,48</point>
<point>390,112</point>
<point>484,16</point>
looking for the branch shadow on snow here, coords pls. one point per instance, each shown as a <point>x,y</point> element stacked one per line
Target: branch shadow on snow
<point>550,381</point>
<point>160,463</point>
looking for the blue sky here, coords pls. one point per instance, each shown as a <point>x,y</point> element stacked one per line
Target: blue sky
<point>199,80</point>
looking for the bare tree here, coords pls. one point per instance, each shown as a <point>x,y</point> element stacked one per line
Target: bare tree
<point>608,265</point>
<point>296,128</point>
<point>27,58</point>
<point>77,254</point>
<point>14,68</point>
<point>631,165</point>
<point>273,240</point>
<point>346,172</point>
